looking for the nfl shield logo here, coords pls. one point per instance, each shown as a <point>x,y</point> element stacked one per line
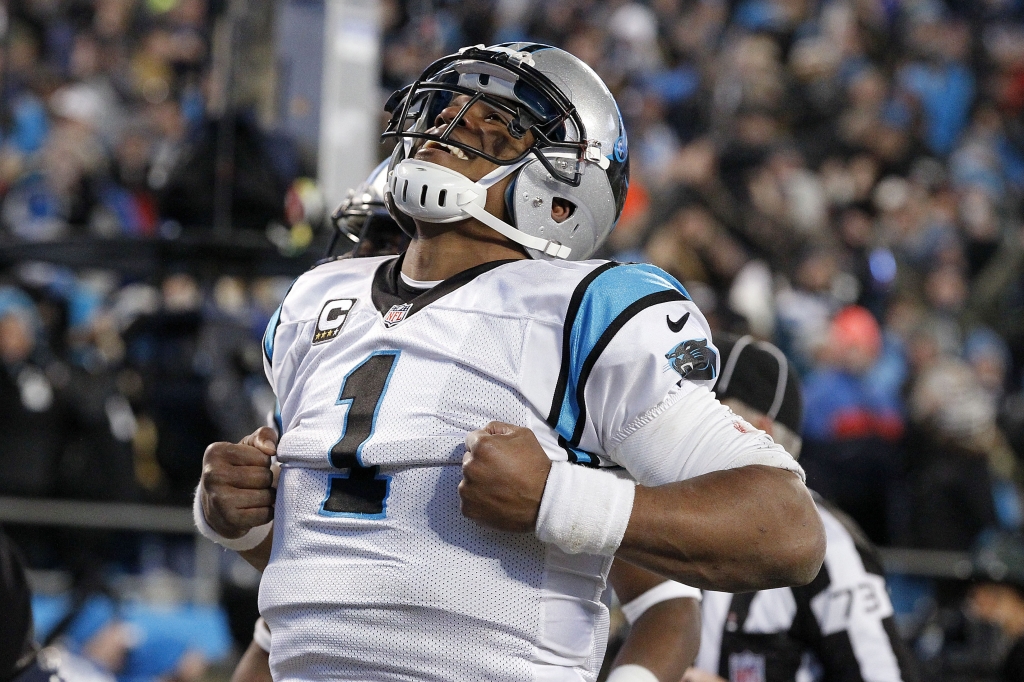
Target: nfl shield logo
<point>396,314</point>
<point>746,667</point>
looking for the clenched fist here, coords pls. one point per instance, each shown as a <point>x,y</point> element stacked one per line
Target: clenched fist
<point>237,486</point>
<point>504,472</point>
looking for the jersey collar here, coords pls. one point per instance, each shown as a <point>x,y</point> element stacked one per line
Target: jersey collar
<point>388,290</point>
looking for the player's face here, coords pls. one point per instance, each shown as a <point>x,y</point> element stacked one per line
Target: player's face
<point>483,127</point>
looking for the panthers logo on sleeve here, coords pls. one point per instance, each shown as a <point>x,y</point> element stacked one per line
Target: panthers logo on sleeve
<point>693,360</point>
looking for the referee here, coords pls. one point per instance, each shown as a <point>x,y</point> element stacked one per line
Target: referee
<point>840,627</point>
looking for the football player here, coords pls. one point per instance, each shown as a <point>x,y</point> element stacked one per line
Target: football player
<point>472,430</point>
<point>362,222</point>
<point>664,638</point>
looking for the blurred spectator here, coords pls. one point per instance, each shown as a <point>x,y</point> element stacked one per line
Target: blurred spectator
<point>806,308</point>
<point>163,345</point>
<point>955,462</point>
<point>996,598</point>
<point>34,423</point>
<point>262,172</point>
<point>851,429</point>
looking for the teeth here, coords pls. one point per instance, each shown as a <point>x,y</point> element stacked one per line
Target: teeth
<point>455,151</point>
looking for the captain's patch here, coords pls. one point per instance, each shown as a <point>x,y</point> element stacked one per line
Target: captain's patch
<point>332,318</point>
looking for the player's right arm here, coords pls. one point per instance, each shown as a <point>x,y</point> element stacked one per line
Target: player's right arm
<point>236,492</point>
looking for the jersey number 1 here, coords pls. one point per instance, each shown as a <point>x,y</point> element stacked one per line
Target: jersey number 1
<point>363,491</point>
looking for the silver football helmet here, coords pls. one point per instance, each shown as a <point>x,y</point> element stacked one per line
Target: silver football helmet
<point>579,151</point>
<point>363,219</point>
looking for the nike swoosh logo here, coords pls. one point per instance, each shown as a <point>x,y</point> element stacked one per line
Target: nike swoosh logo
<point>678,325</point>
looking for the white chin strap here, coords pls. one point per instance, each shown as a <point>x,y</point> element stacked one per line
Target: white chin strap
<point>435,194</point>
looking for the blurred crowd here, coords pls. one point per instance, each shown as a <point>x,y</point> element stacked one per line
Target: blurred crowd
<point>113,122</point>
<point>110,119</point>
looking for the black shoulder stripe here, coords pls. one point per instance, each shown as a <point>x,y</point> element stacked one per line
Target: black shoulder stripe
<point>606,337</point>
<point>865,549</point>
<point>841,663</point>
<point>570,318</point>
<point>739,610</point>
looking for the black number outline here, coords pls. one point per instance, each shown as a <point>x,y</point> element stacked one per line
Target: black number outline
<point>371,473</point>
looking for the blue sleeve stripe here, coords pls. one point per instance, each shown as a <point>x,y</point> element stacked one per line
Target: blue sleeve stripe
<point>570,317</point>
<point>268,336</point>
<point>610,300</point>
<point>275,321</point>
<point>578,456</point>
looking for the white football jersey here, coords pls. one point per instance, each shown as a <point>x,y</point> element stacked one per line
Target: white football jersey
<point>375,574</point>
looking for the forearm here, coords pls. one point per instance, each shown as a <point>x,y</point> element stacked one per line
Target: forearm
<point>259,556</point>
<point>738,530</point>
<point>665,639</point>
<point>254,666</point>
<point>664,618</point>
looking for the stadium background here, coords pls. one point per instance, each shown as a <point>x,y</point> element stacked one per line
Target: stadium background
<point>843,177</point>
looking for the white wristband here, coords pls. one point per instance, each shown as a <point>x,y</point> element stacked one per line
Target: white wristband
<point>250,540</point>
<point>261,634</point>
<point>584,511</point>
<point>631,672</point>
<point>667,590</point>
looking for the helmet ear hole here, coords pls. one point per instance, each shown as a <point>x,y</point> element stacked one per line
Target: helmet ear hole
<point>561,209</point>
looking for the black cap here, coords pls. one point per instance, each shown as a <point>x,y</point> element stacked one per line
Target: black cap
<point>16,623</point>
<point>759,374</point>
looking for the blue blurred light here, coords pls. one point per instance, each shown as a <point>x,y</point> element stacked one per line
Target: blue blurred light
<point>883,265</point>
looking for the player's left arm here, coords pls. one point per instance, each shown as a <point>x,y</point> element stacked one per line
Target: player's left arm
<point>720,506</point>
<point>664,619</point>
<point>744,529</point>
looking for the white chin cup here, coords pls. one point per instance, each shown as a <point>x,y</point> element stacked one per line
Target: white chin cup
<point>435,194</point>
<point>428,192</point>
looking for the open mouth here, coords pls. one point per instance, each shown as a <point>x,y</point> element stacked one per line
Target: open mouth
<point>454,151</point>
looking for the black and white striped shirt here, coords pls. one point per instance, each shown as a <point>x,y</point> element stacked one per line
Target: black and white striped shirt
<point>839,628</point>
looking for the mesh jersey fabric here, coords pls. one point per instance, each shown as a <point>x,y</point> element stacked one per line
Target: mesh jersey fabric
<point>375,574</point>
